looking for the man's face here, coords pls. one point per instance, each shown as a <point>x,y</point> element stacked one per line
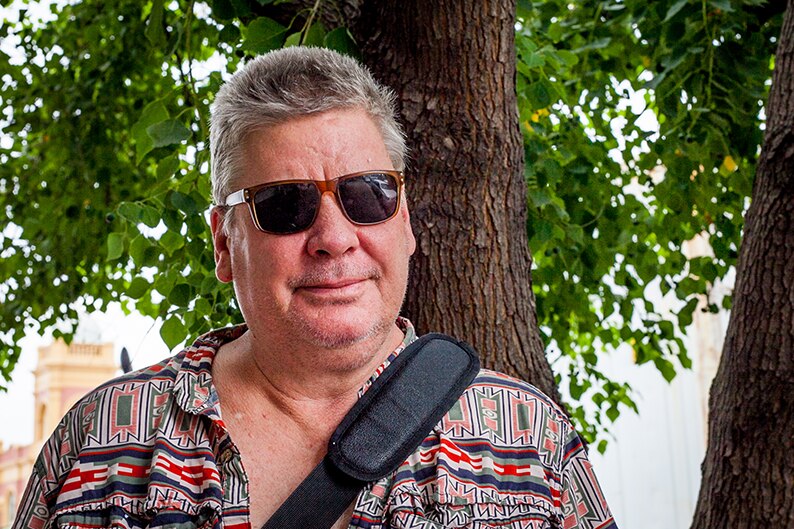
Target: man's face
<point>336,283</point>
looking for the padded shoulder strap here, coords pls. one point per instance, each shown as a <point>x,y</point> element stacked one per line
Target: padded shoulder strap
<point>382,429</point>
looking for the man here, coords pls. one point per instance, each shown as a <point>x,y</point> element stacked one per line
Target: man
<point>312,228</point>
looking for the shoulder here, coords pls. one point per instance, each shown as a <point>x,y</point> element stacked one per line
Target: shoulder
<point>500,384</point>
<point>506,411</point>
<point>122,395</point>
<point>117,403</point>
<point>108,440</point>
<point>103,416</point>
<point>496,458</point>
<point>140,444</point>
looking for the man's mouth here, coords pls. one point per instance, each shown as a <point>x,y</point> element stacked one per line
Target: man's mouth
<point>339,281</point>
<point>334,286</point>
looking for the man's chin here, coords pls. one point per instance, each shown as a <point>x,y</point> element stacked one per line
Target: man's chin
<point>331,334</point>
<point>337,338</point>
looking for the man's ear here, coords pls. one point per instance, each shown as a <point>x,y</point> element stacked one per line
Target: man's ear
<point>220,243</point>
<point>410,239</point>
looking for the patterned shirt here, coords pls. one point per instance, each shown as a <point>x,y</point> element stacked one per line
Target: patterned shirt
<point>150,449</point>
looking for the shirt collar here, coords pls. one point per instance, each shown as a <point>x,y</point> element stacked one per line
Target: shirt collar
<point>193,388</point>
<point>410,335</point>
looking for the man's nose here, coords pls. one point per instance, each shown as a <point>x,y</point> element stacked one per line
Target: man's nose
<point>331,234</point>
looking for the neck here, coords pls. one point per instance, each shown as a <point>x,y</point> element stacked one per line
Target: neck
<point>314,387</point>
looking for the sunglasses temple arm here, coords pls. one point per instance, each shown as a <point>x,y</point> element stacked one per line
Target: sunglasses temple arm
<point>238,197</point>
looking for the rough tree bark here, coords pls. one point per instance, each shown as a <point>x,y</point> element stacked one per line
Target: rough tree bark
<point>453,65</point>
<point>748,471</point>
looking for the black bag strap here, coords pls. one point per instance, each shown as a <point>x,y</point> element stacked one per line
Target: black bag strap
<point>382,429</point>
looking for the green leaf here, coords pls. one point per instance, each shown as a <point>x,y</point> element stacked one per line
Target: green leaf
<point>602,446</point>
<point>150,216</point>
<point>242,8</point>
<point>685,314</point>
<point>154,28</point>
<point>666,329</point>
<point>542,232</point>
<point>209,284</point>
<point>674,9</point>
<point>130,211</point>
<point>293,40</point>
<point>164,283</point>
<point>172,219</point>
<point>138,287</point>
<point>229,34</point>
<point>136,212</point>
<point>342,41</point>
<point>184,203</point>
<point>576,389</point>
<point>138,248</point>
<point>196,225</point>
<point>222,10</point>
<point>534,60</point>
<point>203,186</point>
<point>314,37</point>
<point>552,170</point>
<point>264,34</point>
<point>524,70</point>
<point>665,367</point>
<point>154,112</point>
<point>568,57</point>
<point>115,246</point>
<point>686,361</point>
<point>203,306</point>
<point>167,133</point>
<point>180,295</point>
<point>727,302</point>
<point>173,331</point>
<point>555,32</point>
<point>723,5</point>
<point>594,45</point>
<point>171,241</point>
<point>167,167</point>
<point>539,197</point>
<point>539,95</point>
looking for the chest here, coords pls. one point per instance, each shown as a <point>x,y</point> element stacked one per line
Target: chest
<point>276,458</point>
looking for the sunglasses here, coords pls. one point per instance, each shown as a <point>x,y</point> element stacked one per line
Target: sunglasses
<point>290,206</point>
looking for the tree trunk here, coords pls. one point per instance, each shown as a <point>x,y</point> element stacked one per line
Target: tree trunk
<point>453,66</point>
<point>748,471</point>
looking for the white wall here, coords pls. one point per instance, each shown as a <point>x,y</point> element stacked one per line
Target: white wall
<point>651,470</point>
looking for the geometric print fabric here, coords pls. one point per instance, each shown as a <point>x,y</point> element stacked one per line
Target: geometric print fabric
<point>150,449</point>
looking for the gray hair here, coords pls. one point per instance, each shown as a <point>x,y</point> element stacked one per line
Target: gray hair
<point>288,83</point>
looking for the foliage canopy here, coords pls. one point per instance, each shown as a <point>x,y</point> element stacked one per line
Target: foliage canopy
<point>641,123</point>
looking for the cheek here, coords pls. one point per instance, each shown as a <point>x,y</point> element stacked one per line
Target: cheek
<point>263,265</point>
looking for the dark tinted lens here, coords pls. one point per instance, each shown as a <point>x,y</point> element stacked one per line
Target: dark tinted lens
<point>286,208</point>
<point>370,198</point>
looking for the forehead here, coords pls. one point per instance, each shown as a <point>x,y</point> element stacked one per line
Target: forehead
<point>318,146</point>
